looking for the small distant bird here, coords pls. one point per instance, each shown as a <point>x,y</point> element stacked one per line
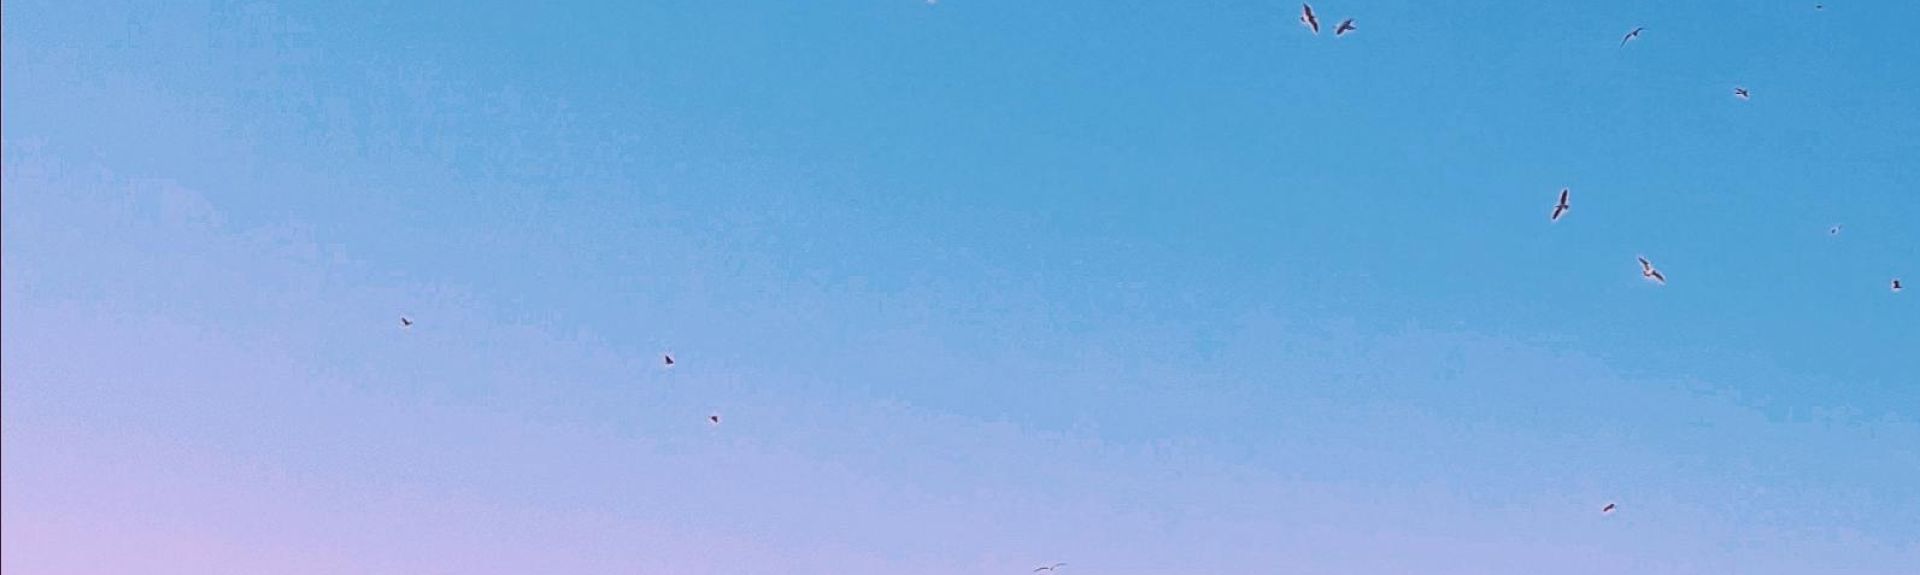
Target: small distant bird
<point>1896,285</point>
<point>1833,231</point>
<point>1608,510</point>
<point>1741,93</point>
<point>1308,19</point>
<point>667,358</point>
<point>1819,6</point>
<point>1049,568</point>
<point>1631,35</point>
<point>1647,271</point>
<point>405,323</point>
<point>1560,209</point>
<point>713,419</point>
<point>1344,27</point>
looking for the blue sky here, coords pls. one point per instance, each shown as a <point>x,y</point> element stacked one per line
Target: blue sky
<point>977,286</point>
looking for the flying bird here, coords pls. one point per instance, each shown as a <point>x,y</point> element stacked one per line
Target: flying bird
<point>1608,510</point>
<point>1560,209</point>
<point>1631,35</point>
<point>405,323</point>
<point>713,419</point>
<point>1307,18</point>
<point>1049,568</point>
<point>1647,271</point>
<point>667,358</point>
<point>1741,93</point>
<point>1834,231</point>
<point>1896,285</point>
<point>1344,27</point>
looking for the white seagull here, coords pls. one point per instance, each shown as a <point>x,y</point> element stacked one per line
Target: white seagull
<point>1647,271</point>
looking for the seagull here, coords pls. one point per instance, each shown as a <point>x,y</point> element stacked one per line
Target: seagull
<point>1307,18</point>
<point>1631,35</point>
<point>713,419</point>
<point>1896,285</point>
<point>1741,93</point>
<point>1049,568</point>
<point>1647,271</point>
<point>1344,27</point>
<point>667,358</point>
<point>405,323</point>
<point>1561,208</point>
<point>1608,510</point>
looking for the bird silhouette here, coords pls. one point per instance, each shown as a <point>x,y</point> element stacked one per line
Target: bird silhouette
<point>667,359</point>
<point>1049,568</point>
<point>1647,271</point>
<point>1896,285</point>
<point>714,419</point>
<point>1608,510</point>
<point>1308,19</point>
<point>1344,27</point>
<point>1560,209</point>
<point>405,323</point>
<point>1741,93</point>
<point>1631,35</point>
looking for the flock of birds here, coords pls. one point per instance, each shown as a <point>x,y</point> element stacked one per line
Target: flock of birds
<point>1311,21</point>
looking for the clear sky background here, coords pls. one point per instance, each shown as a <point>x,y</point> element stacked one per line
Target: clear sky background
<point>1146,287</point>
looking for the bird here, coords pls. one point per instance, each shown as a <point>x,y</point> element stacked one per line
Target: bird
<point>1608,510</point>
<point>1741,93</point>
<point>1896,285</point>
<point>1631,35</point>
<point>1307,18</point>
<point>405,323</point>
<point>1819,6</point>
<point>1344,27</point>
<point>1834,231</point>
<point>1560,209</point>
<point>667,359</point>
<point>1647,271</point>
<point>1049,568</point>
<point>714,419</point>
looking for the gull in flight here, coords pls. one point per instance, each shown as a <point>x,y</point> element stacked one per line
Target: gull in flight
<point>1560,209</point>
<point>1631,35</point>
<point>1834,231</point>
<point>1608,510</point>
<point>1741,93</point>
<point>1049,568</point>
<point>1344,27</point>
<point>667,359</point>
<point>1308,19</point>
<point>1896,285</point>
<point>1647,271</point>
<point>713,419</point>
<point>405,323</point>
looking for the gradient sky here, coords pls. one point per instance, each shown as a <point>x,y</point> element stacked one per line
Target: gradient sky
<point>1146,287</point>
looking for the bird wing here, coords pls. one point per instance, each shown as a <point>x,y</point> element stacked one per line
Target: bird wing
<point>1644,264</point>
<point>1563,195</point>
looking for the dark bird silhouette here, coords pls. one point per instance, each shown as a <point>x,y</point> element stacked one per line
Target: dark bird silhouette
<point>1560,209</point>
<point>1631,35</point>
<point>1308,19</point>
<point>405,323</point>
<point>1833,231</point>
<point>1647,271</point>
<point>1049,568</point>
<point>667,358</point>
<point>1741,93</point>
<point>1344,27</point>
<point>713,419</point>
<point>1608,510</point>
<point>1896,285</point>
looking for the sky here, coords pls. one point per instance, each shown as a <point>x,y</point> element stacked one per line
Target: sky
<point>977,286</point>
